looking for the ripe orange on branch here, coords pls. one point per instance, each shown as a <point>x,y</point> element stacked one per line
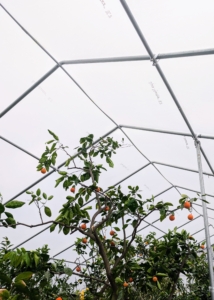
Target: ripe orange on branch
<point>83,226</point>
<point>43,170</point>
<point>125,284</point>
<point>190,217</point>
<point>78,268</point>
<point>154,278</point>
<point>97,189</point>
<point>172,217</point>
<point>84,241</point>
<point>187,204</point>
<point>58,298</point>
<point>130,279</point>
<point>112,232</point>
<point>72,189</point>
<point>106,208</point>
<point>202,246</point>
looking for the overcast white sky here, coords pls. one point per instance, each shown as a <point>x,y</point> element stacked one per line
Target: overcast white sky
<point>131,93</point>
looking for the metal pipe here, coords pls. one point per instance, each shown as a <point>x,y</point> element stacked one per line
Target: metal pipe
<point>182,224</point>
<point>11,143</point>
<point>181,187</point>
<point>181,168</point>
<point>28,91</point>
<point>155,63</point>
<point>30,238</point>
<point>207,160</point>
<point>166,131</point>
<point>205,217</point>
<point>140,57</point>
<point>153,58</point>
<point>63,250</point>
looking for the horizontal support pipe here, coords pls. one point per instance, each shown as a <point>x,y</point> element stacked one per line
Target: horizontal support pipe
<point>104,60</point>
<point>181,168</point>
<point>184,188</point>
<point>166,131</point>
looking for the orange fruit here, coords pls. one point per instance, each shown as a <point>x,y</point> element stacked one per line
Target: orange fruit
<point>106,208</point>
<point>58,298</point>
<point>43,170</point>
<point>202,246</point>
<point>125,284</point>
<point>112,243</point>
<point>78,268</point>
<point>190,217</point>
<point>187,204</point>
<point>83,226</point>
<point>154,278</point>
<point>172,217</point>
<point>84,241</point>
<point>72,189</point>
<point>190,237</point>
<point>97,189</point>
<point>130,279</point>
<point>147,243</point>
<point>112,232</point>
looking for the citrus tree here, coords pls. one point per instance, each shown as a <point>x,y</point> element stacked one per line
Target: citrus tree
<point>117,271</point>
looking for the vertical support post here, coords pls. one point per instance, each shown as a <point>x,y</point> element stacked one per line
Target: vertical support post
<point>205,216</point>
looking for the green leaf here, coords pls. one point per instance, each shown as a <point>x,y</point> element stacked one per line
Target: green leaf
<point>43,283</point>
<point>68,271</point>
<point>162,274</point>
<point>59,180</point>
<point>28,192</point>
<point>49,142</point>
<point>52,227</point>
<point>9,215</point>
<point>110,162</point>
<point>10,221</point>
<point>132,204</point>
<point>50,197</point>
<point>24,276</point>
<point>44,196</point>
<point>205,201</point>
<point>27,259</point>
<point>38,192</point>
<point>85,177</point>
<point>5,278</point>
<point>80,201</point>
<point>36,259</point>
<point>117,228</point>
<point>62,172</point>
<point>87,208</point>
<point>1,208</point>
<point>82,140</point>
<point>66,230</point>
<point>47,211</point>
<point>134,223</point>
<point>53,135</point>
<point>158,284</point>
<point>126,225</point>
<point>14,204</point>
